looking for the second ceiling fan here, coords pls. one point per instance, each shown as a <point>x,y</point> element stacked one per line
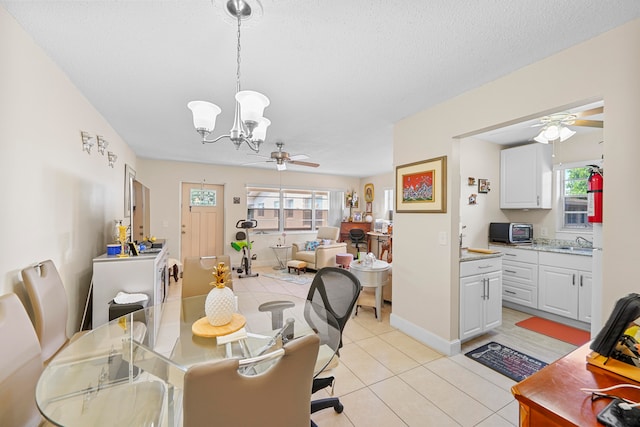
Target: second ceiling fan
<point>281,158</point>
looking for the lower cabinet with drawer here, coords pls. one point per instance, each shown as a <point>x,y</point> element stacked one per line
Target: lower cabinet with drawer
<point>519,276</point>
<point>480,296</point>
<point>565,285</point>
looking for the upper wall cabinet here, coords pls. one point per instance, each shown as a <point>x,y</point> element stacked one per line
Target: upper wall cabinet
<point>525,177</point>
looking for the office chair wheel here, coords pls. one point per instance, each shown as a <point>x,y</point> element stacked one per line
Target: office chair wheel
<point>339,408</point>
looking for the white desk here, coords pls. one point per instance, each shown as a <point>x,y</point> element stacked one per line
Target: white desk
<point>375,276</point>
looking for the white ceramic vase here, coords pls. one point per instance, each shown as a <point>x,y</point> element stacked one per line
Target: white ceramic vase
<point>219,306</point>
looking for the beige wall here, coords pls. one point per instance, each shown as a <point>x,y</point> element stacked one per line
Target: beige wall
<point>605,67</point>
<point>164,179</point>
<point>59,202</point>
<point>380,183</point>
<point>479,159</point>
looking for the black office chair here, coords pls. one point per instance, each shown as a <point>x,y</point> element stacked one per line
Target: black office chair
<point>357,236</point>
<point>337,290</point>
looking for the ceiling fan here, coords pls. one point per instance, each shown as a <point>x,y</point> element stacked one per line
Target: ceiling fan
<point>281,158</point>
<point>555,126</point>
<point>574,119</point>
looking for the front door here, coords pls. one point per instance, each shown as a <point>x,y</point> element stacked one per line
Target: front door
<point>202,220</point>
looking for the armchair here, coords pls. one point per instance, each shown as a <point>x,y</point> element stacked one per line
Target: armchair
<point>324,255</point>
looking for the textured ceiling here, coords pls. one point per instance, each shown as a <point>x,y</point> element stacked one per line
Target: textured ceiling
<point>338,73</point>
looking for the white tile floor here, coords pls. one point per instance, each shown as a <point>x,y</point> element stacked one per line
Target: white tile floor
<point>386,378</point>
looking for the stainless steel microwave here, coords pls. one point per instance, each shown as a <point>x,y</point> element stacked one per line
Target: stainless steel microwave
<point>510,232</point>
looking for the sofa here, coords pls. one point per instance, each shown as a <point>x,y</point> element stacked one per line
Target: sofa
<point>320,252</point>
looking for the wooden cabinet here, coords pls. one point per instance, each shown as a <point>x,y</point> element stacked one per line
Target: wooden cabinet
<point>525,177</point>
<point>480,296</point>
<point>565,285</point>
<point>519,275</point>
<point>346,226</point>
<point>145,273</point>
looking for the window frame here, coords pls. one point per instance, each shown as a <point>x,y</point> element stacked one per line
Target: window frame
<point>559,172</point>
<point>285,207</point>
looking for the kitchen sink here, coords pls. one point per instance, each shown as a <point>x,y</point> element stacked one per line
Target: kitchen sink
<point>577,249</point>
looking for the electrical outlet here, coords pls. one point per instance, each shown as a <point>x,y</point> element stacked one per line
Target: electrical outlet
<point>544,232</point>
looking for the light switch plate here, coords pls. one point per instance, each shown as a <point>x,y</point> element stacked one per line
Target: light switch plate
<point>442,238</point>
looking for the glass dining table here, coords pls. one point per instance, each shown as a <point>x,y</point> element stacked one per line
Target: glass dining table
<point>130,371</point>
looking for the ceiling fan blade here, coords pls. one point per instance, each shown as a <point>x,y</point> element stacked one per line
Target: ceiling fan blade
<point>299,157</point>
<point>592,112</point>
<point>297,162</point>
<point>588,123</point>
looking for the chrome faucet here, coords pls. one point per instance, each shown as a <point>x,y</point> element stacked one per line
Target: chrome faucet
<point>580,239</point>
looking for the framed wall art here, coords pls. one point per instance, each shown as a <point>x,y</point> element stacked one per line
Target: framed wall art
<point>421,187</point>
<point>368,192</point>
<point>483,185</point>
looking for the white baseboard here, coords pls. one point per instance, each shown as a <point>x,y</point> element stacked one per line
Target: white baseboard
<point>448,348</point>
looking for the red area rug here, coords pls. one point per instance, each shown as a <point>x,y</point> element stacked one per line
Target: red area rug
<point>556,330</point>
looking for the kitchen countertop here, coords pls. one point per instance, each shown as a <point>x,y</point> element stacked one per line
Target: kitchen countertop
<point>466,255</point>
<point>564,249</point>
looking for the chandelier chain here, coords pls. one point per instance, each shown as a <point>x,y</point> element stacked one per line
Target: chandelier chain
<point>238,53</point>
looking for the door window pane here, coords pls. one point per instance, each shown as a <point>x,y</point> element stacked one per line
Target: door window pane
<point>198,197</point>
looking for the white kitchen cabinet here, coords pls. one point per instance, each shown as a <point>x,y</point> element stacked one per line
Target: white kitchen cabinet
<point>526,177</point>
<point>146,273</point>
<point>519,275</point>
<point>564,285</point>
<point>480,296</point>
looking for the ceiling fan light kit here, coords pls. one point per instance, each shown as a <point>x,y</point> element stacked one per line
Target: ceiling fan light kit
<point>554,132</point>
<point>249,125</point>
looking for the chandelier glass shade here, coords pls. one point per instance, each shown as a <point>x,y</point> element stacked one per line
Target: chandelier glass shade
<point>249,125</point>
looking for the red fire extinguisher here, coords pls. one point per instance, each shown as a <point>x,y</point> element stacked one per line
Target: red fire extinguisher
<point>594,194</point>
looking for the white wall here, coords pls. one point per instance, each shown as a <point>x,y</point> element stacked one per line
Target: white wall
<point>59,202</point>
<point>164,179</point>
<point>605,67</point>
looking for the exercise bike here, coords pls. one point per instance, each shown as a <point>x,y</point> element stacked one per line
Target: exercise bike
<point>245,265</point>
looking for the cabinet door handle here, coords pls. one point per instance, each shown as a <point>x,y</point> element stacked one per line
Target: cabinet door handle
<point>508,254</point>
<point>488,289</point>
<point>507,291</point>
<point>538,201</point>
<point>573,282</point>
<point>581,277</point>
<point>511,271</point>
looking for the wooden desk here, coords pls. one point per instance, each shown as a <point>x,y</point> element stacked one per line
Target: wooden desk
<point>552,397</point>
<point>346,226</point>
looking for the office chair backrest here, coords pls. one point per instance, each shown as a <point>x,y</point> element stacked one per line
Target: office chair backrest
<point>357,235</point>
<point>20,365</point>
<point>337,290</point>
<point>50,307</point>
<point>197,274</point>
<point>216,393</point>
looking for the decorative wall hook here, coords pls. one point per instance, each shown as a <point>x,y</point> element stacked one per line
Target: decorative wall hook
<point>112,158</point>
<point>87,142</point>
<point>102,144</point>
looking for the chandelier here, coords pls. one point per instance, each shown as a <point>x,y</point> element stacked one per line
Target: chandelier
<point>249,126</point>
